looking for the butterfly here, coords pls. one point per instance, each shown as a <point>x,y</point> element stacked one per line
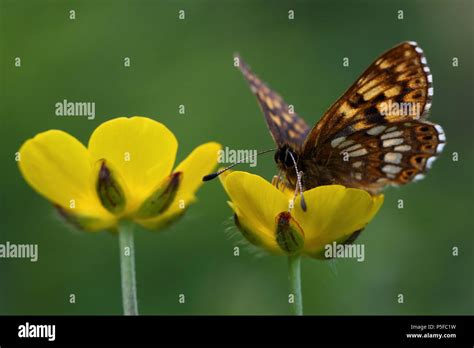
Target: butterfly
<point>375,135</point>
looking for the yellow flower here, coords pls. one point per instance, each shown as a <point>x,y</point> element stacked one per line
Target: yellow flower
<point>126,172</point>
<point>334,213</point>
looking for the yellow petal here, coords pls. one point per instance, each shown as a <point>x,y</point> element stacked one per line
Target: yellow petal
<point>57,166</point>
<point>334,213</point>
<point>163,220</point>
<point>143,150</point>
<point>280,185</point>
<point>256,203</point>
<point>200,162</point>
<point>224,175</point>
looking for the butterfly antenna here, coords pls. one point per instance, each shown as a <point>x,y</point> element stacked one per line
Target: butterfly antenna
<point>216,174</point>
<point>299,185</point>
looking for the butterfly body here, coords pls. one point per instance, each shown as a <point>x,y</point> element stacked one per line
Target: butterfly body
<point>375,135</point>
<point>315,172</point>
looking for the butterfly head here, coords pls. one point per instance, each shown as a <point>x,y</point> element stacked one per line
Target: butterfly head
<point>285,157</point>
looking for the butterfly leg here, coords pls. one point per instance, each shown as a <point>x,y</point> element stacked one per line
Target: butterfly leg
<point>277,180</point>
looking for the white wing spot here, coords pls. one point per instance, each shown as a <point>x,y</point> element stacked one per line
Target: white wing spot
<point>391,129</point>
<point>430,161</point>
<point>337,141</point>
<point>393,157</point>
<point>418,177</point>
<point>346,143</point>
<point>391,169</point>
<point>360,152</point>
<point>392,142</point>
<point>430,91</point>
<point>354,147</point>
<point>419,50</point>
<point>430,78</point>
<point>391,135</point>
<point>358,176</point>
<point>423,60</point>
<point>376,130</point>
<point>441,135</point>
<point>440,147</point>
<point>357,164</point>
<point>402,148</point>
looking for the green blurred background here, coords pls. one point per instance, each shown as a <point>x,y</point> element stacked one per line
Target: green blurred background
<point>173,62</point>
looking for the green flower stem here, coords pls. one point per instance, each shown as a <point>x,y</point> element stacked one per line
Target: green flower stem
<point>127,268</point>
<point>294,276</point>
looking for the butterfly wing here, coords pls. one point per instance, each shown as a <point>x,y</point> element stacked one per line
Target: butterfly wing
<point>400,76</point>
<point>285,126</point>
<point>362,142</point>
<point>395,153</point>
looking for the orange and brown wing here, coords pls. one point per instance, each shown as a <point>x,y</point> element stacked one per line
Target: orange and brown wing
<point>395,153</point>
<point>400,77</point>
<point>285,126</point>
